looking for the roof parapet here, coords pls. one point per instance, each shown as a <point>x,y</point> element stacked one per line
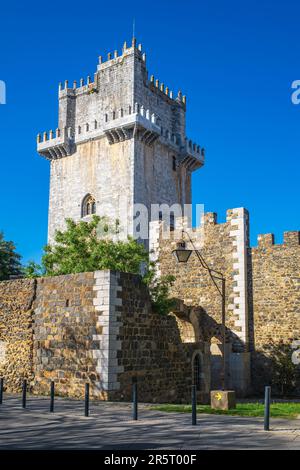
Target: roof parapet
<point>291,238</point>
<point>55,145</point>
<point>266,239</point>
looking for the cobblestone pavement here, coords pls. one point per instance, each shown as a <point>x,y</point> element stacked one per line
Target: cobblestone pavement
<point>110,426</point>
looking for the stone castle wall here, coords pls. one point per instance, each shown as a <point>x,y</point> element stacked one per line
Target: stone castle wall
<point>16,331</point>
<point>64,327</point>
<point>262,292</point>
<point>223,247</point>
<point>97,328</point>
<point>152,348</point>
<point>97,168</point>
<point>219,245</point>
<point>275,291</point>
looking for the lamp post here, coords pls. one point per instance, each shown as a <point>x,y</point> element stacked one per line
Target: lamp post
<point>182,255</point>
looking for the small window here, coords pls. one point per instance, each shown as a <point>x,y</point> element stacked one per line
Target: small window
<point>88,206</point>
<point>174,163</point>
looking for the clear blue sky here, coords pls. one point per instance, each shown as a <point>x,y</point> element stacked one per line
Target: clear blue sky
<point>235,61</point>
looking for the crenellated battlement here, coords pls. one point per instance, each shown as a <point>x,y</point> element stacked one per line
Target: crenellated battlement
<point>118,125</point>
<point>113,59</point>
<point>164,91</point>
<point>78,88</point>
<point>290,238</point>
<point>58,144</point>
<point>121,134</point>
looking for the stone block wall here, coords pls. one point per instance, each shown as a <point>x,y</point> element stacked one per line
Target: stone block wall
<point>275,309</point>
<point>262,292</point>
<point>16,332</point>
<point>97,328</point>
<point>151,348</point>
<point>64,328</point>
<point>224,248</point>
<point>97,168</point>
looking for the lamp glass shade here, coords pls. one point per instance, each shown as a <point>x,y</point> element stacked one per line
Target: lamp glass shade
<point>182,255</point>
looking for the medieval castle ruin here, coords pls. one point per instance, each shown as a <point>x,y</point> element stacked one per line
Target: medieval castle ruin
<point>121,142</point>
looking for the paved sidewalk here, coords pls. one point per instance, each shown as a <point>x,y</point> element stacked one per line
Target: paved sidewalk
<point>110,427</point>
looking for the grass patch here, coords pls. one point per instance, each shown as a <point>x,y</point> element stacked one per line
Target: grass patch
<point>278,410</point>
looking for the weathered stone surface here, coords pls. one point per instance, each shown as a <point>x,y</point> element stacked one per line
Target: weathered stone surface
<point>121,139</point>
<point>51,330</point>
<point>275,308</point>
<point>224,248</point>
<point>16,333</point>
<point>262,294</point>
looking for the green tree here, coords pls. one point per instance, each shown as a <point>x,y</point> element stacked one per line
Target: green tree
<point>79,248</point>
<point>160,289</point>
<point>90,246</point>
<point>33,269</point>
<point>9,260</point>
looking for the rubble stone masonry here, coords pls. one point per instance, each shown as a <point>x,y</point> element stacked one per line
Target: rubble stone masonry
<point>224,248</point>
<point>16,332</point>
<point>262,292</point>
<point>275,290</point>
<point>98,328</point>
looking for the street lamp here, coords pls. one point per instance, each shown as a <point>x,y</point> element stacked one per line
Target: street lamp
<point>182,255</point>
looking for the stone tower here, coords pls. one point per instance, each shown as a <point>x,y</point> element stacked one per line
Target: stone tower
<point>120,141</point>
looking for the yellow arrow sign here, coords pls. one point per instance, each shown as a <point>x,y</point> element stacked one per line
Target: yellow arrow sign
<point>218,396</point>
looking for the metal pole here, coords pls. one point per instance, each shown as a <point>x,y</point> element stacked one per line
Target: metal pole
<point>134,401</point>
<point>52,397</point>
<point>24,389</point>
<point>86,399</point>
<point>267,408</point>
<point>224,381</point>
<point>1,390</point>
<point>194,405</point>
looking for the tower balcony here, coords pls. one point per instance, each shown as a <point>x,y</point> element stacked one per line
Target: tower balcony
<point>141,124</point>
<point>55,145</point>
<point>192,156</point>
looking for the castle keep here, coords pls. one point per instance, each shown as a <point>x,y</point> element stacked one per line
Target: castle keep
<point>121,141</point>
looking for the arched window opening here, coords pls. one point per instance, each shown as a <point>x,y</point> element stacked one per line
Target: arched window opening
<point>88,206</point>
<point>197,372</point>
<point>174,163</point>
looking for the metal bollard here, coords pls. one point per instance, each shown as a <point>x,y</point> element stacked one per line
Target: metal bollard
<point>52,397</point>
<point>86,399</point>
<point>24,389</point>
<point>194,405</point>
<point>134,401</point>
<point>267,408</point>
<point>1,389</point>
